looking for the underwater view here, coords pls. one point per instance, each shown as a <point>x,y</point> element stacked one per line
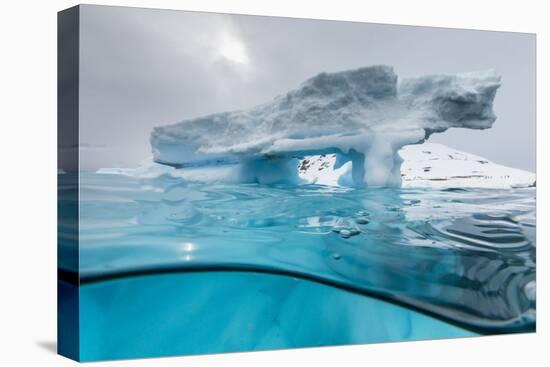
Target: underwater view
<point>169,267</point>
<point>232,183</point>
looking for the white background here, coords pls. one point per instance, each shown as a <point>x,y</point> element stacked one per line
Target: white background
<point>28,182</point>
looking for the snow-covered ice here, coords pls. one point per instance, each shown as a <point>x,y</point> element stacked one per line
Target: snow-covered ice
<point>428,165</point>
<point>436,165</point>
<point>363,117</point>
<point>147,169</point>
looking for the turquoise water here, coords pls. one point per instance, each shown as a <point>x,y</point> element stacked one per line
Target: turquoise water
<point>168,267</point>
<point>212,312</point>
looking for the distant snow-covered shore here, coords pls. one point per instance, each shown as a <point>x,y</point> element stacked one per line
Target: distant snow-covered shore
<point>429,165</point>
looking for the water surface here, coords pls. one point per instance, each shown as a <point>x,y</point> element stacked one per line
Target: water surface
<point>172,267</point>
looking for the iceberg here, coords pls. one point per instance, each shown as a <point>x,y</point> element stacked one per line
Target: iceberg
<point>363,116</point>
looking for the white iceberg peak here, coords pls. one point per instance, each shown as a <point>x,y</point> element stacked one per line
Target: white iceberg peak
<point>364,116</point>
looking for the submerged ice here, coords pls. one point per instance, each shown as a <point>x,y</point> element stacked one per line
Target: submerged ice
<point>364,116</point>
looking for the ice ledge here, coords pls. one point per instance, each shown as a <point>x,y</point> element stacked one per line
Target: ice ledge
<point>363,116</point>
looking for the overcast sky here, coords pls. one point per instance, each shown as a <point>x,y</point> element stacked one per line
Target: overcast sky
<point>142,68</point>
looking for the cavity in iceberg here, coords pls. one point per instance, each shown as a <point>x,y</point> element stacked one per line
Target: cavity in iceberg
<point>364,116</point>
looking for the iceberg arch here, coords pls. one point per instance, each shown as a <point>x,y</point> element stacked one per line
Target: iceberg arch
<point>364,116</point>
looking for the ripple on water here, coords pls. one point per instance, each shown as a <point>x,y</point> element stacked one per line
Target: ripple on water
<point>422,247</point>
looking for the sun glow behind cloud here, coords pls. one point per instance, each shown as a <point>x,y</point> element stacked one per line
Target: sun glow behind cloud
<point>232,49</point>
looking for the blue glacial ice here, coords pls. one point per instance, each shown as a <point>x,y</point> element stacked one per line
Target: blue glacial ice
<point>365,116</point>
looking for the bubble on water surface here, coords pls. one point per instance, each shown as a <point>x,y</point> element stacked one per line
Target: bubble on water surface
<point>346,232</point>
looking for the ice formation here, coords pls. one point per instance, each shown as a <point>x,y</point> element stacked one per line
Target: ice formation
<point>363,116</point>
<point>427,165</point>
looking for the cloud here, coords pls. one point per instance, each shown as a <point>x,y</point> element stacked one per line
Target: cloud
<point>142,68</point>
